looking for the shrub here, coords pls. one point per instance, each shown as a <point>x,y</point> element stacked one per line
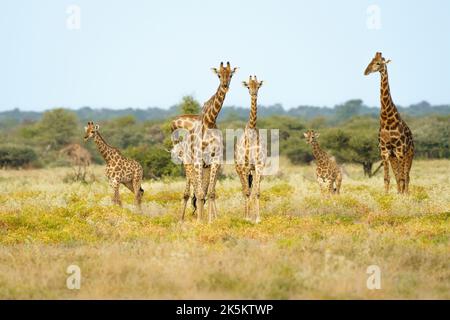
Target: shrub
<point>155,161</point>
<point>12,156</point>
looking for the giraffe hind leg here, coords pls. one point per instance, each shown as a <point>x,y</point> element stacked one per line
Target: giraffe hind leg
<point>395,169</point>
<point>408,169</point>
<point>338,182</point>
<point>116,196</point>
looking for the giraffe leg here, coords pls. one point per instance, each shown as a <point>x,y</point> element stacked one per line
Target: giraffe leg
<point>187,190</point>
<point>330,186</point>
<point>408,166</point>
<point>323,185</point>
<point>138,192</point>
<point>116,197</point>
<point>338,181</point>
<point>200,194</point>
<point>393,161</point>
<point>401,173</point>
<point>243,177</point>
<point>186,195</point>
<point>256,193</point>
<point>212,210</point>
<point>385,157</point>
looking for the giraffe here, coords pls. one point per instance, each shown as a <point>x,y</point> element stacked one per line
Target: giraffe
<point>394,136</point>
<point>79,156</point>
<point>249,154</point>
<point>202,171</point>
<point>181,152</point>
<point>328,173</point>
<point>119,169</point>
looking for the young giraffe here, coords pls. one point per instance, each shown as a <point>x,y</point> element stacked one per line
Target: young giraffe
<point>249,155</point>
<point>204,173</point>
<point>119,170</point>
<point>395,138</point>
<point>328,173</point>
<point>80,158</point>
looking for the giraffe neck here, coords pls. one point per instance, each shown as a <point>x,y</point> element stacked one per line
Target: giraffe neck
<point>388,109</point>
<point>104,148</point>
<point>211,113</point>
<point>317,152</point>
<point>253,110</point>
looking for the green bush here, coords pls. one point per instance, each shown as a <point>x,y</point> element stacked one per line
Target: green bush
<point>12,156</point>
<point>155,160</point>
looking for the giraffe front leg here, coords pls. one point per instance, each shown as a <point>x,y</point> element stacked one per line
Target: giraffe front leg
<point>329,186</point>
<point>116,197</point>
<point>138,193</point>
<point>212,210</point>
<point>393,161</point>
<point>243,177</point>
<point>408,166</point>
<point>401,171</point>
<point>200,194</point>
<point>385,157</point>
<point>256,193</point>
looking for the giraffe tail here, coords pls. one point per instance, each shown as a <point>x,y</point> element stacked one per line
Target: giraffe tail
<point>194,203</point>
<point>250,180</point>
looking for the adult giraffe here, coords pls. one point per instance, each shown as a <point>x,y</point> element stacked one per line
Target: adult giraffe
<point>250,156</point>
<point>395,137</point>
<point>205,144</point>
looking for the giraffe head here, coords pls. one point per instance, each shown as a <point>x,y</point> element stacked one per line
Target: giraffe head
<point>377,64</point>
<point>90,130</point>
<point>225,74</point>
<point>311,136</point>
<point>253,85</point>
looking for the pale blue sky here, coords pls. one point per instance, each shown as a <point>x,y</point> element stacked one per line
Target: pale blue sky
<point>141,53</point>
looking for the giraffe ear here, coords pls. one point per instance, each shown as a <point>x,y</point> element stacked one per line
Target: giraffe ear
<point>234,70</point>
<point>305,134</point>
<point>260,84</point>
<point>97,127</point>
<point>317,134</point>
<point>245,84</point>
<point>214,70</point>
<point>85,128</point>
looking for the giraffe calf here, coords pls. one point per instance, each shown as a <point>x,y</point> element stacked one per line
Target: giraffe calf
<point>328,173</point>
<point>119,169</point>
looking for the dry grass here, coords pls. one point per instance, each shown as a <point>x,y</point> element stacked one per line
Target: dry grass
<point>307,246</point>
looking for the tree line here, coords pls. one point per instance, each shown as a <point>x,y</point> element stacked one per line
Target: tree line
<point>349,132</point>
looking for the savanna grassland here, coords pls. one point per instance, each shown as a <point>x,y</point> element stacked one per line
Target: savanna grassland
<point>307,245</point>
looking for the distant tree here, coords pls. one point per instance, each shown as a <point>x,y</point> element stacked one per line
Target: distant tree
<point>354,145</point>
<point>349,109</point>
<point>57,128</point>
<point>432,137</point>
<point>123,132</point>
<point>189,105</point>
